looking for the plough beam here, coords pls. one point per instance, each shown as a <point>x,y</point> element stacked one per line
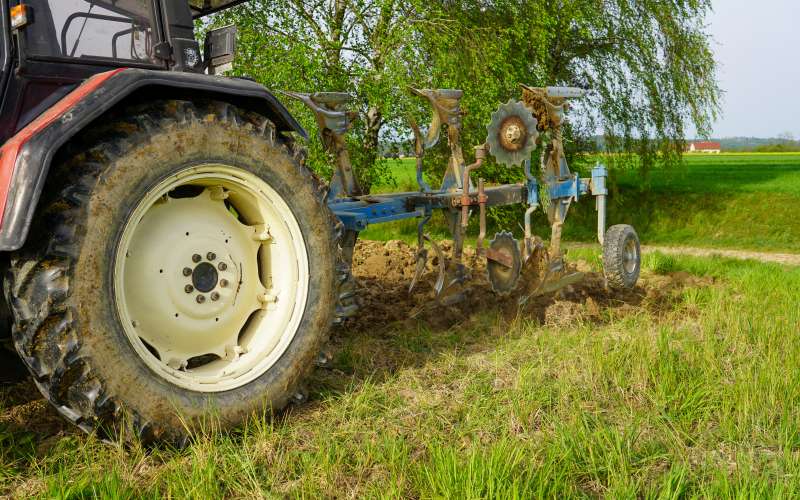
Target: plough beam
<point>518,127</point>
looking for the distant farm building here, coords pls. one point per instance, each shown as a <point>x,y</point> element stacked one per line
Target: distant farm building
<point>705,147</point>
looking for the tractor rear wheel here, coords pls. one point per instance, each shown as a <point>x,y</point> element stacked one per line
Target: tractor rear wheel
<point>183,267</point>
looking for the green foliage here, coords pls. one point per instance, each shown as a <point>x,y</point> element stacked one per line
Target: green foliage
<point>364,47</point>
<point>649,65</point>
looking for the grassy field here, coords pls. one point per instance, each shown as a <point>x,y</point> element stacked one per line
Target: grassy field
<point>687,388</point>
<point>689,392</point>
<point>729,200</point>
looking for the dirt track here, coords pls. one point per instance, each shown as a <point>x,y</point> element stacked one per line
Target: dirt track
<point>791,259</point>
<point>778,258</point>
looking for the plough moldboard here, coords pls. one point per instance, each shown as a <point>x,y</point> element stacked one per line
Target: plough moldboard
<point>516,129</point>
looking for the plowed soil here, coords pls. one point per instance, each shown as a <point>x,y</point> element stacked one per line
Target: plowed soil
<point>384,272</point>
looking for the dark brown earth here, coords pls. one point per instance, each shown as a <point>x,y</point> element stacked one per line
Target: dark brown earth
<point>384,272</point>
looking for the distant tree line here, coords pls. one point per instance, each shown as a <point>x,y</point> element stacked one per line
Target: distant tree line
<point>786,147</point>
<point>784,143</point>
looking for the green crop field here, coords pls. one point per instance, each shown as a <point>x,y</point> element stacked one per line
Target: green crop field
<point>747,201</point>
<point>728,173</point>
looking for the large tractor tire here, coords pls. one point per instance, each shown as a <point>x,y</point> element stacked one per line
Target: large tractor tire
<point>182,268</point>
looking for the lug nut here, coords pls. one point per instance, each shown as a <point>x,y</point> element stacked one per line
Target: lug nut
<point>211,256</point>
<point>188,289</point>
<point>215,296</point>
<point>187,271</point>
<point>223,283</point>
<point>223,266</point>
<point>196,258</point>
<point>201,299</point>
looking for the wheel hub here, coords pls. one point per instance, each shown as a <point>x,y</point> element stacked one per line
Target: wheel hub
<point>513,133</point>
<point>207,292</point>
<point>185,231</point>
<point>630,256</point>
<point>205,277</point>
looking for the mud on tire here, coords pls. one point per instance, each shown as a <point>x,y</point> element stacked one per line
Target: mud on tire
<point>61,285</point>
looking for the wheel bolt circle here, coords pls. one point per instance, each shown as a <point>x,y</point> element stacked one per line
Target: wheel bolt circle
<point>201,299</point>
<point>215,296</point>
<point>188,289</point>
<point>223,283</point>
<point>187,271</point>
<point>196,258</point>
<point>211,256</point>
<point>223,266</point>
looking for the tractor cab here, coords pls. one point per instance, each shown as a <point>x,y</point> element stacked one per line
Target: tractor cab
<point>110,32</point>
<point>51,46</point>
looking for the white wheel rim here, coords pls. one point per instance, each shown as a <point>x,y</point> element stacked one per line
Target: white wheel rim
<point>209,300</point>
<point>630,256</point>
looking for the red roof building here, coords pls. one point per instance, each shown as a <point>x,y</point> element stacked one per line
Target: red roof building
<point>705,147</point>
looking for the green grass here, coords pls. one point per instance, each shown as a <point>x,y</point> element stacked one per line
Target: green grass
<point>746,201</point>
<point>728,200</point>
<point>404,174</point>
<point>727,173</point>
<point>693,394</point>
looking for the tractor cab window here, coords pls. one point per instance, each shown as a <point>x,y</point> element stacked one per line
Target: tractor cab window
<point>107,29</point>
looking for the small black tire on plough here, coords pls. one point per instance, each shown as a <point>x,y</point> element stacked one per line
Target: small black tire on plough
<point>622,256</point>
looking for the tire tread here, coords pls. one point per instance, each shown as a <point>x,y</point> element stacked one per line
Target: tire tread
<point>613,248</point>
<point>38,281</point>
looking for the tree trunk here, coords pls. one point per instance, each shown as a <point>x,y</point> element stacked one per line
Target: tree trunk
<point>373,122</point>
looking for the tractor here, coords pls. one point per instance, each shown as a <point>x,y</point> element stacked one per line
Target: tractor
<point>168,256</point>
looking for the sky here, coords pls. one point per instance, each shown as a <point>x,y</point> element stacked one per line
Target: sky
<point>757,45</point>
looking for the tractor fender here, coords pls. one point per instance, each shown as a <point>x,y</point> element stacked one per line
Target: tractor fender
<point>25,158</point>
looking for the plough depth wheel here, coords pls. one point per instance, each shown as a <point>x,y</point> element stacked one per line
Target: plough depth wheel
<point>622,256</point>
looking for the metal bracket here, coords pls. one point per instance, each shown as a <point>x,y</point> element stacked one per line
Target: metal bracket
<point>600,191</point>
<point>162,51</point>
<point>334,121</point>
<point>446,104</point>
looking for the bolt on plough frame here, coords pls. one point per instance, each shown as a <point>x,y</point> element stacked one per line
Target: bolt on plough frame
<point>516,129</point>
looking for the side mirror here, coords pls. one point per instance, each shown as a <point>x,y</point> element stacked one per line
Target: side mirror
<point>220,49</point>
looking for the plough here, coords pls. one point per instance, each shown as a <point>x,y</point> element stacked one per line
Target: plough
<point>165,251</point>
<point>517,129</point>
